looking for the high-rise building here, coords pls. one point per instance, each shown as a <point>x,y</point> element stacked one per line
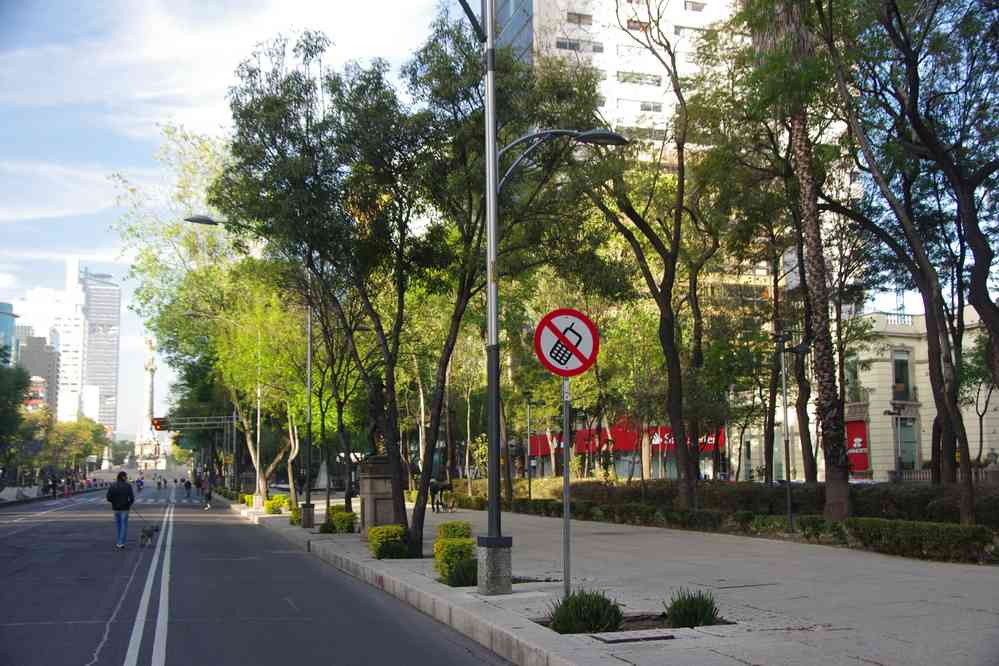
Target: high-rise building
<point>8,341</point>
<point>70,327</point>
<point>638,97</point>
<point>41,359</point>
<point>102,310</point>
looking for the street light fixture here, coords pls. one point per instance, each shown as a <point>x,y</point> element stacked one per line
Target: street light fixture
<point>495,576</point>
<point>782,339</point>
<point>308,510</point>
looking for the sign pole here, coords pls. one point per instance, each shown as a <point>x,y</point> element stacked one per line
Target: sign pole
<point>566,459</point>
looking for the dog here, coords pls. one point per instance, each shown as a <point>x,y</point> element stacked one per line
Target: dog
<point>146,535</point>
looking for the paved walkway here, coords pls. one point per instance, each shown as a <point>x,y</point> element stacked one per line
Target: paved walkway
<point>826,604</point>
<point>792,603</point>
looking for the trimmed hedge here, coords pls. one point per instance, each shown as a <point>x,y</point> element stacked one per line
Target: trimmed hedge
<point>455,529</point>
<point>295,516</point>
<point>899,501</point>
<point>448,552</point>
<point>932,541</point>
<point>272,507</point>
<point>327,528</point>
<point>388,542</point>
<point>343,522</point>
<point>464,573</point>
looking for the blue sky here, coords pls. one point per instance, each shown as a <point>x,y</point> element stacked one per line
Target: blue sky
<point>84,90</point>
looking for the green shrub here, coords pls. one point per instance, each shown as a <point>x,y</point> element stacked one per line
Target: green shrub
<point>410,495</point>
<point>768,524</point>
<point>581,509</point>
<point>327,528</point>
<point>388,542</point>
<point>296,516</point>
<point>448,552</point>
<point>691,609</point>
<point>455,529</point>
<point>464,573</point>
<point>475,502</point>
<point>248,499</point>
<point>932,541</point>
<point>812,527</point>
<point>585,612</point>
<point>336,508</point>
<point>743,519</point>
<point>707,520</point>
<point>272,507</point>
<point>343,522</point>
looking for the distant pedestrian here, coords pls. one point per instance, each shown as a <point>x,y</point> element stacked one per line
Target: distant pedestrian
<point>121,497</point>
<point>207,488</point>
<point>187,487</point>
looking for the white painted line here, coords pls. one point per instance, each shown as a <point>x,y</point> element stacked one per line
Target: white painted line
<point>163,614</point>
<point>135,642</point>
<point>114,614</point>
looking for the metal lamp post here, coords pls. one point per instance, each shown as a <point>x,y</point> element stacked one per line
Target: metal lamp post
<point>494,556</point>
<point>308,509</point>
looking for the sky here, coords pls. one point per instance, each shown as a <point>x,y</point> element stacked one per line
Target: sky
<point>85,88</point>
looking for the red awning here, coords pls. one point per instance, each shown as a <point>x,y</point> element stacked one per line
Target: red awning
<point>624,438</point>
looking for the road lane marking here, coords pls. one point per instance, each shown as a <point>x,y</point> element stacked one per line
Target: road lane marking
<point>292,604</point>
<point>114,614</point>
<point>61,506</point>
<point>163,614</point>
<point>135,641</point>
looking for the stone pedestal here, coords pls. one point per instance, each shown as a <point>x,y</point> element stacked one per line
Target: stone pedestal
<point>308,516</point>
<point>376,494</point>
<point>495,573</point>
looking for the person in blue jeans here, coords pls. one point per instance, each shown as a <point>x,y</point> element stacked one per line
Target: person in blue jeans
<point>121,497</point>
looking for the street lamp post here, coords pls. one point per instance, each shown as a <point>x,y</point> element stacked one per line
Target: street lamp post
<point>495,575</point>
<point>260,488</point>
<point>308,510</point>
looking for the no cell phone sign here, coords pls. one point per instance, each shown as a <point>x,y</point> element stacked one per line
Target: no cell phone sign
<point>566,342</point>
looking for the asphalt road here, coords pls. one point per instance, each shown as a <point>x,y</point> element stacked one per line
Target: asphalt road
<point>212,589</point>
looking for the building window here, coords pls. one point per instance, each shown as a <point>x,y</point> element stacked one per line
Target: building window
<point>692,6</point>
<point>631,50</point>
<point>579,19</point>
<point>901,388</point>
<point>907,448</point>
<point>579,45</point>
<point>654,107</point>
<point>680,30</point>
<point>851,370</point>
<point>639,78</point>
<point>635,24</point>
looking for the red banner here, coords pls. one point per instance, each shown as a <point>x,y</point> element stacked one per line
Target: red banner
<point>857,446</point>
<point>623,437</point>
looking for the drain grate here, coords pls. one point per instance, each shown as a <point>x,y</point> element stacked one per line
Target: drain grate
<point>633,636</point>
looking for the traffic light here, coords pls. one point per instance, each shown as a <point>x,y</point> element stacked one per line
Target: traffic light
<point>161,424</point>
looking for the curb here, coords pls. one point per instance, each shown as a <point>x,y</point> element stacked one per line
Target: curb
<point>509,635</point>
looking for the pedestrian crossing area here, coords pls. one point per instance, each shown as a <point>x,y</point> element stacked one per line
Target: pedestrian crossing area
<point>150,501</point>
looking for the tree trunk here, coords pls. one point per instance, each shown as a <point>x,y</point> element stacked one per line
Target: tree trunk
<point>505,454</point>
<point>829,405</point>
<point>552,450</point>
<point>345,447</point>
<point>646,451</point>
<point>801,375</point>
<point>935,467</point>
<point>770,421</point>
<point>674,405</point>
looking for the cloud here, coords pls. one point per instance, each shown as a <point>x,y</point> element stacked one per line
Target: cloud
<point>37,190</point>
<point>173,62</point>
<point>8,280</point>
<point>108,255</point>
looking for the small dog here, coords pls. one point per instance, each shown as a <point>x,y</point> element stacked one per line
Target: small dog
<point>146,535</point>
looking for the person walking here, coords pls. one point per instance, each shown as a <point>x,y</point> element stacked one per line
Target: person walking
<point>206,487</point>
<point>187,487</point>
<point>121,497</point>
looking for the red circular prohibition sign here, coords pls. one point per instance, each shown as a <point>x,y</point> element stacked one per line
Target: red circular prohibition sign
<point>566,342</point>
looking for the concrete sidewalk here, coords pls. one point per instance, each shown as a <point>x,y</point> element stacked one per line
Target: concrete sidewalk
<point>792,603</point>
